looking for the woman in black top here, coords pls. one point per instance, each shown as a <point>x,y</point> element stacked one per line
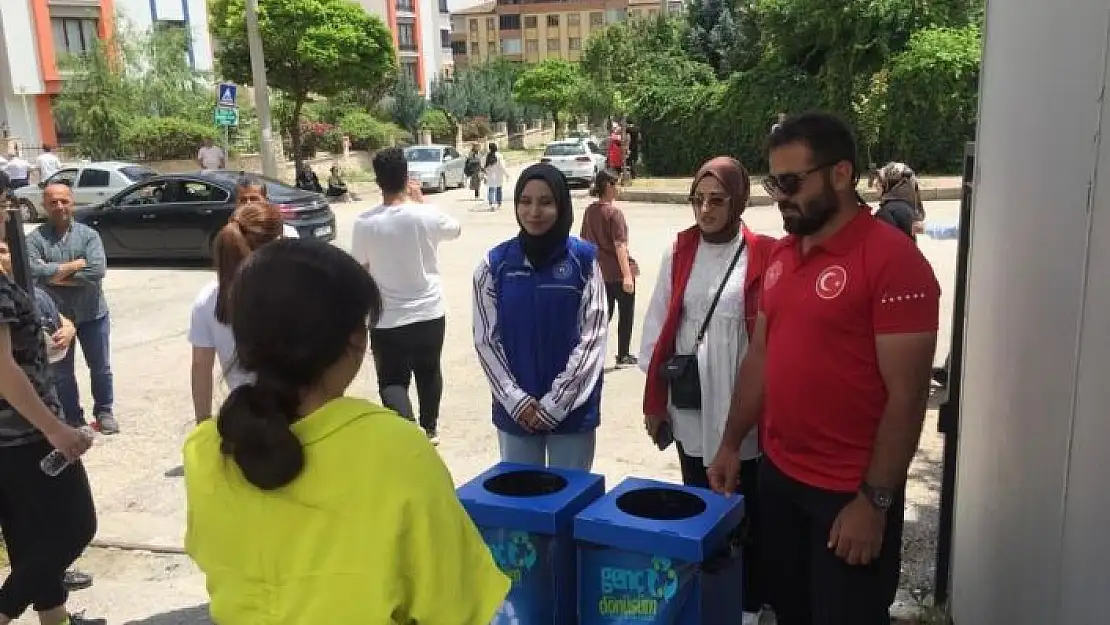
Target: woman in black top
<point>46,521</point>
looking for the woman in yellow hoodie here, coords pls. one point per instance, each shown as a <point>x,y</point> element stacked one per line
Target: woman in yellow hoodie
<point>307,507</point>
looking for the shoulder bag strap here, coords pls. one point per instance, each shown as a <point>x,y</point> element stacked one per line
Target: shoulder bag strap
<point>720,289</point>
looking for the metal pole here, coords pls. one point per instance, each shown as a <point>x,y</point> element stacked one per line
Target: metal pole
<point>261,91</point>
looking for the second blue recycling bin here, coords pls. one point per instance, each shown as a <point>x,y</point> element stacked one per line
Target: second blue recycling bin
<point>652,552</point>
<point>525,514</point>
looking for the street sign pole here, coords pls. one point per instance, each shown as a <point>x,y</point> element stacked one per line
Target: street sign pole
<point>261,90</point>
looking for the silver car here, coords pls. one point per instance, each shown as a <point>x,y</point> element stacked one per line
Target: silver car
<point>92,183</point>
<point>437,167</point>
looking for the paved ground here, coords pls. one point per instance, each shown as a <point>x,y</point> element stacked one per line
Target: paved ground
<point>141,501</point>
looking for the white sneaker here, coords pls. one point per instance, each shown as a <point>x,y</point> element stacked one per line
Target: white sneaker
<point>433,436</point>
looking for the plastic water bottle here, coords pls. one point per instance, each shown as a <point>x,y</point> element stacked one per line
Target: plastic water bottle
<point>55,462</point>
<point>942,231</point>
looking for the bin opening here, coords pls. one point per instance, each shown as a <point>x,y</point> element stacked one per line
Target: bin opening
<point>525,484</point>
<point>661,504</point>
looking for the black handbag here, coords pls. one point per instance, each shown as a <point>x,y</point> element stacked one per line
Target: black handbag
<point>681,370</point>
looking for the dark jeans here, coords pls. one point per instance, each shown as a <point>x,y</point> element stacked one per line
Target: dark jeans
<point>409,351</point>
<point>47,522</point>
<point>805,581</point>
<point>627,303</point>
<point>694,474</point>
<point>93,336</point>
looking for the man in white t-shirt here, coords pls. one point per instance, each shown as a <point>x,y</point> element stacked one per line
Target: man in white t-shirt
<point>18,171</point>
<point>397,242</point>
<point>47,163</point>
<point>211,156</point>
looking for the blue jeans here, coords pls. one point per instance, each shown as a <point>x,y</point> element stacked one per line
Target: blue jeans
<point>494,195</point>
<point>565,451</point>
<point>93,337</point>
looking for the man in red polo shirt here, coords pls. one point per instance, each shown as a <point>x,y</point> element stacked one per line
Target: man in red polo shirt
<point>837,376</point>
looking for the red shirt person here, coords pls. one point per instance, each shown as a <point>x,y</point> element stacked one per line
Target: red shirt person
<point>837,377</point>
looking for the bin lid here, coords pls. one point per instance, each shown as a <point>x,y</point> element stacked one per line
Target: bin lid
<point>530,498</point>
<point>659,518</point>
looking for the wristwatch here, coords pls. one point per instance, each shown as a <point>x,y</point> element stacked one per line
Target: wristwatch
<point>881,498</point>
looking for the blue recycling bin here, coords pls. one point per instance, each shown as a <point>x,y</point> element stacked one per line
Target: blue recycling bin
<point>526,515</point>
<point>652,552</point>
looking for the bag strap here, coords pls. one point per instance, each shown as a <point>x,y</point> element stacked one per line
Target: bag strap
<point>720,289</point>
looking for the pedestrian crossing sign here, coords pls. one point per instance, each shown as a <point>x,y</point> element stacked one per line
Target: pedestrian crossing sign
<point>226,92</point>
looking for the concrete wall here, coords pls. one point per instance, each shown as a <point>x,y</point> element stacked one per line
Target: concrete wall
<point>20,76</point>
<point>1032,505</point>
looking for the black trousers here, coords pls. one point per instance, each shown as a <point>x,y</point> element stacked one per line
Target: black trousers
<point>47,522</point>
<point>695,474</point>
<point>412,351</point>
<point>805,581</point>
<point>614,292</point>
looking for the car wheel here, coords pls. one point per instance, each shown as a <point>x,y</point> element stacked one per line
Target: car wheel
<point>442,184</point>
<point>27,212</point>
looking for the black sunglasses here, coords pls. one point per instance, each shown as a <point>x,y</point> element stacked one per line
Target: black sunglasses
<point>789,183</point>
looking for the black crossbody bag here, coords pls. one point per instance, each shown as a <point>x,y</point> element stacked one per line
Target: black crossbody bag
<point>681,370</point>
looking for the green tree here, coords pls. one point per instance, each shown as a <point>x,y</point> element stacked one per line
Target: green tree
<point>722,34</point>
<point>408,105</point>
<point>311,47</point>
<point>552,84</point>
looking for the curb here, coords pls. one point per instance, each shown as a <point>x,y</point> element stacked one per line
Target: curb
<point>681,197</point>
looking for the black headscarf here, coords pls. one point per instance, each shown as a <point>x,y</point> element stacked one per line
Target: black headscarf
<point>539,248</point>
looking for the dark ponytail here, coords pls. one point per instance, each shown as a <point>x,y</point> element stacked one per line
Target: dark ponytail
<point>491,156</point>
<point>254,431</point>
<point>603,179</point>
<point>295,306</point>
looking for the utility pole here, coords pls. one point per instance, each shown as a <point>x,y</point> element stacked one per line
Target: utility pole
<point>261,91</point>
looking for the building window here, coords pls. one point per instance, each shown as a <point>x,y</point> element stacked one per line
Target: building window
<point>406,35</point>
<point>533,45</point>
<point>574,43</point>
<point>553,21</point>
<point>73,36</point>
<point>475,49</point>
<point>443,7</point>
<point>445,38</point>
<point>510,22</point>
<point>572,19</point>
<point>612,16</point>
<point>459,48</point>
<point>406,5</point>
<point>597,18</point>
<point>553,44</point>
<point>474,26</point>
<point>510,46</point>
<point>530,21</point>
<point>491,48</point>
<point>653,12</point>
<point>408,70</point>
<point>490,24</point>
<point>635,14</point>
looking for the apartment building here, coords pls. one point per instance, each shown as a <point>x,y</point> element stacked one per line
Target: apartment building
<point>35,34</point>
<point>534,30</point>
<point>422,35</point>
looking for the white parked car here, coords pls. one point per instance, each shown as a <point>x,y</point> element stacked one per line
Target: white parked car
<point>92,183</point>
<point>578,159</point>
<point>437,167</point>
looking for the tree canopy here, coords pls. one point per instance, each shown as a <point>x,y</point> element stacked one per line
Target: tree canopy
<point>551,84</point>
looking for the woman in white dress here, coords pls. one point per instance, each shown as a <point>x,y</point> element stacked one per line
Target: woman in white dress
<point>701,314</point>
<point>253,225</point>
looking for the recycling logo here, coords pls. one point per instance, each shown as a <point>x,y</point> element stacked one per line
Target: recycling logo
<point>521,552</point>
<point>662,579</point>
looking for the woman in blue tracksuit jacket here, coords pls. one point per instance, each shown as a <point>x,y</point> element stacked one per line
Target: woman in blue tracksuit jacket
<point>540,329</point>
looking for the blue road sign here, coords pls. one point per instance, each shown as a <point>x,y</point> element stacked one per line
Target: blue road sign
<point>226,95</point>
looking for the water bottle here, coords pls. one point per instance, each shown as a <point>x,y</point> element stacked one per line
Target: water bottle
<point>55,462</point>
<point>942,232</point>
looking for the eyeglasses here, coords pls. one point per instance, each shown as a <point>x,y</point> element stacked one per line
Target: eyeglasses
<point>712,201</point>
<point>790,183</point>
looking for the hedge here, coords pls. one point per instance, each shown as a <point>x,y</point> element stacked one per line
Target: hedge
<point>166,138</point>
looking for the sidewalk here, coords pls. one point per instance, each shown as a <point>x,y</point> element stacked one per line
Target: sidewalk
<point>677,190</point>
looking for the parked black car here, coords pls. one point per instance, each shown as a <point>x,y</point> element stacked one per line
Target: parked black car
<point>176,216</point>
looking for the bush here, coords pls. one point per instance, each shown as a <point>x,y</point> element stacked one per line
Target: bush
<point>369,133</point>
<point>476,128</point>
<point>932,98</point>
<point>166,138</point>
<point>439,124</point>
<point>331,141</point>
